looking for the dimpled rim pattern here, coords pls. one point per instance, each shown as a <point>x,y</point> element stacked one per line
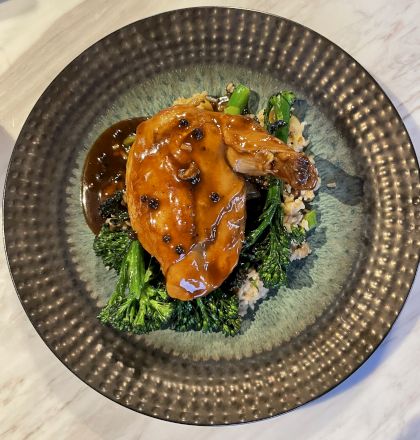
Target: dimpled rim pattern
<point>146,379</point>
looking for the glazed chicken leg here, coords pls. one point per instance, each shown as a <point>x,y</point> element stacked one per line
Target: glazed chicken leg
<point>186,196</point>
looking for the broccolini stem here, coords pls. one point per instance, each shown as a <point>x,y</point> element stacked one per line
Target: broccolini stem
<point>238,100</point>
<point>121,283</point>
<point>136,269</point>
<point>132,312</point>
<point>124,310</point>
<point>272,203</point>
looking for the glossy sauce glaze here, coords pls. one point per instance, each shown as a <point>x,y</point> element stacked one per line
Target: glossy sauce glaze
<point>104,169</point>
<point>186,204</point>
<point>186,195</point>
<point>185,188</point>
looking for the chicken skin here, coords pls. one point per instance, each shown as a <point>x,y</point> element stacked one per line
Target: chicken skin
<point>186,195</point>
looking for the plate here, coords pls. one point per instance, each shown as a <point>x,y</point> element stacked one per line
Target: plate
<point>341,301</point>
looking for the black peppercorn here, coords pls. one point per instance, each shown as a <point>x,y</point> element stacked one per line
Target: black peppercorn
<point>214,197</point>
<point>183,123</point>
<point>179,250</point>
<point>153,203</point>
<point>166,238</point>
<point>195,179</point>
<point>143,198</point>
<point>197,134</point>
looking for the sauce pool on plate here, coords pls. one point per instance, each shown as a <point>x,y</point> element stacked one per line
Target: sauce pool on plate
<point>104,169</point>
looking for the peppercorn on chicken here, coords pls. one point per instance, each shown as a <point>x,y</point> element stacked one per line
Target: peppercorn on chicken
<point>186,190</point>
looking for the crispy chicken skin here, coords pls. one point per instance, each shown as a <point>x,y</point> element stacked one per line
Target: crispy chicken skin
<point>185,198</point>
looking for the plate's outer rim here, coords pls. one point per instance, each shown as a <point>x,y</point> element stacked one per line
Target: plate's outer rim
<point>15,153</point>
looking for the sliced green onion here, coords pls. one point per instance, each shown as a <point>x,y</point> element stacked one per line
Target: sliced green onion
<point>310,217</point>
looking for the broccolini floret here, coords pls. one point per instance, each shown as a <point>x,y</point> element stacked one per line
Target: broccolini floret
<point>272,256</point>
<point>113,207</point>
<point>268,246</point>
<point>135,305</point>
<point>112,246</point>
<point>217,312</point>
<point>140,305</point>
<point>297,235</point>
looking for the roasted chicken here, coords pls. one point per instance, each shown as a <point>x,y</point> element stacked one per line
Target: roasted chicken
<point>186,193</point>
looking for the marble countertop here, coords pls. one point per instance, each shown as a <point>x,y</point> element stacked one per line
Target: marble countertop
<point>39,397</point>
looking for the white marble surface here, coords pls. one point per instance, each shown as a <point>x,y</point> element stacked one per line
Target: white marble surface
<point>39,397</point>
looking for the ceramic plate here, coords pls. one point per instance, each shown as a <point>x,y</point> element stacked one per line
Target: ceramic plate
<point>341,301</point>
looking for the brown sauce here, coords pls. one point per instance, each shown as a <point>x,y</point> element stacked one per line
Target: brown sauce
<point>104,169</point>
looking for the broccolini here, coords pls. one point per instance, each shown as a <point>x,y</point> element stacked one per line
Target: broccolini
<point>271,207</point>
<point>139,304</point>
<point>112,246</point>
<point>113,208</point>
<point>272,256</point>
<point>268,245</point>
<point>217,312</point>
<point>238,101</point>
<point>135,305</point>
<point>277,114</point>
<point>270,242</point>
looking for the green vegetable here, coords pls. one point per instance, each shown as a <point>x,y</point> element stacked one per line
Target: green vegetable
<point>140,305</point>
<point>238,100</point>
<point>271,207</point>
<point>297,235</point>
<point>111,246</point>
<point>135,305</point>
<point>272,255</point>
<point>217,312</point>
<point>310,217</point>
<point>277,114</point>
<point>270,252</point>
<point>113,208</point>
<point>268,245</point>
